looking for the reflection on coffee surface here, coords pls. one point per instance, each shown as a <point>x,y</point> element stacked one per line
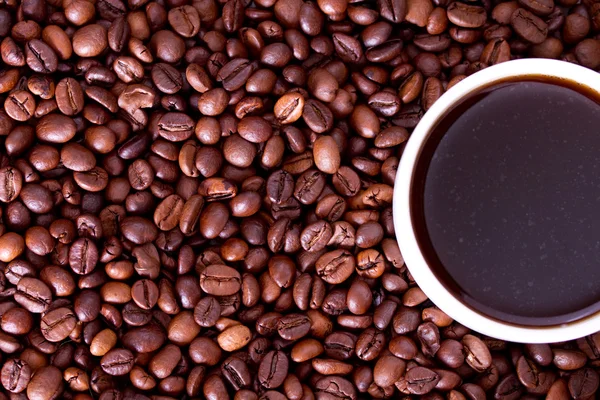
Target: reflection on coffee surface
<point>507,201</point>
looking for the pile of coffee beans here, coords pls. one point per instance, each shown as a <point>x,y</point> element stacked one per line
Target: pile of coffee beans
<point>196,199</point>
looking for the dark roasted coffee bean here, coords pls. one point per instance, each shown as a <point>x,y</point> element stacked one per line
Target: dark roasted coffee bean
<point>273,369</point>
<point>465,15</point>
<point>117,362</point>
<point>254,129</point>
<point>508,388</point>
<point>317,116</point>
<point>280,186</point>
<point>175,126</point>
<point>185,20</point>
<point>15,375</point>
<point>293,326</point>
<point>135,316</point>
<point>316,236</point>
<point>369,344</point>
<point>583,383</point>
<point>586,53</point>
<point>83,256</point>
<point>12,54</point>
<point>569,359</point>
<point>420,380</point>
<point>340,345</point>
<point>495,52</point>
<point>207,312</point>
<point>335,387</point>
<point>168,212</point>
<point>12,183</point>
<point>529,26</point>
<point>166,78</point>
<point>477,355</point>
<point>235,73</point>
<point>336,266</point>
<point>539,8</point>
<point>309,186</point>
<point>40,57</point>
<point>393,10</point>
<point>220,280</point>
<point>46,383</point>
<point>33,294</point>
<point>20,105</point>
<point>57,324</point>
<point>236,372</point>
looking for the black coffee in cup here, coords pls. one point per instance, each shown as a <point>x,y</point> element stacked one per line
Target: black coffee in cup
<point>506,197</point>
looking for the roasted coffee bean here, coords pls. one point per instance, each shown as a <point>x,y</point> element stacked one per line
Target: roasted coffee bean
<point>57,324</point>
<point>33,294</point>
<point>40,57</point>
<point>586,54</point>
<point>280,186</point>
<point>316,236</point>
<point>12,54</point>
<point>90,40</point>
<point>309,186</point>
<point>55,128</point>
<point>339,345</point>
<point>20,105</point>
<point>583,383</point>
<point>420,380</point>
<point>327,155</point>
<point>135,316</point>
<point>69,96</point>
<point>235,73</point>
<point>185,20</point>
<point>569,359</point>
<point>234,338</point>
<point>103,342</point>
<point>46,383</point>
<point>207,312</point>
<point>293,326</point>
<point>175,126</point>
<point>317,116</point>
<point>346,181</point>
<point>220,280</point>
<point>335,387</point>
<point>144,293</point>
<point>388,370</point>
<point>16,375</point>
<point>168,212</point>
<point>83,256</point>
<point>273,369</point>
<point>236,372</point>
<point>12,183</point>
<point>394,10</point>
<point>117,362</point>
<point>465,15</point>
<point>336,266</point>
<point>529,26</point>
<point>477,355</point>
<point>289,108</point>
<point>166,78</point>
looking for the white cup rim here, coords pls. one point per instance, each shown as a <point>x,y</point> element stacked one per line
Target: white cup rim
<point>403,222</point>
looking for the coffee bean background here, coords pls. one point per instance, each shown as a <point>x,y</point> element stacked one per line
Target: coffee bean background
<point>196,199</point>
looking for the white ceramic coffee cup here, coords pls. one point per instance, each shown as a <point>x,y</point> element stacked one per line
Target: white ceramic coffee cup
<point>405,230</point>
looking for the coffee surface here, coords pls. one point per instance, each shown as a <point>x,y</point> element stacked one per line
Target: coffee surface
<point>511,202</point>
